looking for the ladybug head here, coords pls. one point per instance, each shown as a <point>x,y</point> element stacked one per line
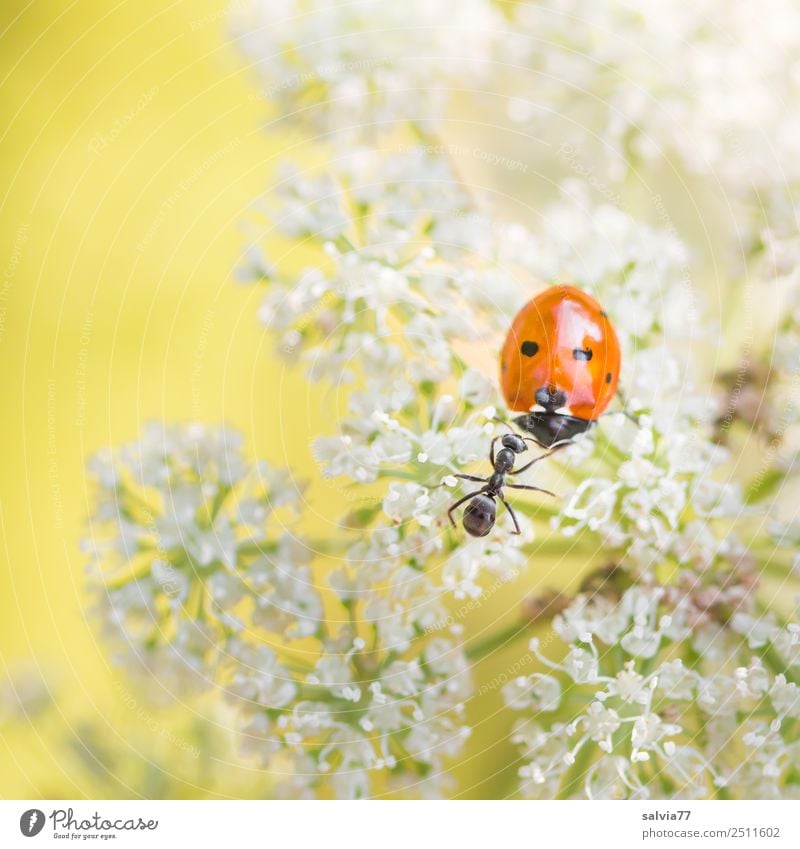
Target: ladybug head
<point>550,398</point>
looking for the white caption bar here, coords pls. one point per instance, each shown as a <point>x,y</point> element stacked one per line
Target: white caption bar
<point>401,825</point>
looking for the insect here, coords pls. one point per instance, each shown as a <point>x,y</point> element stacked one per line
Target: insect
<point>481,512</point>
<point>560,364</point>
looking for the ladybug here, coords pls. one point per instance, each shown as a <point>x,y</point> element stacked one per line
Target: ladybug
<point>560,364</point>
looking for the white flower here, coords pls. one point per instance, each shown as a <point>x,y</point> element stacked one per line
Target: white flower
<point>191,509</point>
<point>630,686</point>
<point>600,724</point>
<point>475,388</point>
<point>496,555</point>
<point>581,666</point>
<point>591,505</point>
<point>712,499</point>
<point>650,707</point>
<point>340,455</point>
<point>676,681</point>
<point>406,500</point>
<point>534,692</point>
<point>648,730</point>
<point>337,723</point>
<point>785,697</point>
<point>668,80</point>
<point>356,66</point>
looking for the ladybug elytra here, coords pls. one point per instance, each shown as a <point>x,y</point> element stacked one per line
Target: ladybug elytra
<point>560,364</point>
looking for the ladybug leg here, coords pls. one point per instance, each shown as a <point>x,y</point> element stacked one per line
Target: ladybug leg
<point>513,515</point>
<point>471,478</point>
<point>459,503</point>
<point>531,488</point>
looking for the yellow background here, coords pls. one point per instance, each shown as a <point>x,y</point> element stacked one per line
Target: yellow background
<point>130,147</point>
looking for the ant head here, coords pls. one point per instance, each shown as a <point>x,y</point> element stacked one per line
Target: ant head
<point>514,442</point>
<point>479,515</point>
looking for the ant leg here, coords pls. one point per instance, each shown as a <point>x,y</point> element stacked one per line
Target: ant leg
<point>459,503</point>
<point>535,460</point>
<point>503,422</point>
<point>531,488</point>
<point>511,513</point>
<point>491,449</point>
<point>463,477</point>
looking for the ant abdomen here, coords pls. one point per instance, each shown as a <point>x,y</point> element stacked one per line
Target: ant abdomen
<point>479,516</point>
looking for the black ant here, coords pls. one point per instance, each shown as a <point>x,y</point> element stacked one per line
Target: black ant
<point>480,513</point>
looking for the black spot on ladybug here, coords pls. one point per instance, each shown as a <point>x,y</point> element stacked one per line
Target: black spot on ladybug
<point>582,353</point>
<point>608,377</point>
<point>529,349</point>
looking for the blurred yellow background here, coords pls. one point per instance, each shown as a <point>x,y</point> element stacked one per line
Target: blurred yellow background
<point>129,150</point>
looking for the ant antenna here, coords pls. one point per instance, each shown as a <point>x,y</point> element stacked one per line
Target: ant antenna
<point>503,422</point>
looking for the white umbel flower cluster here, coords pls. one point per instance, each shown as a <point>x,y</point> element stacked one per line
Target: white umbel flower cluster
<point>197,574</point>
<point>188,543</point>
<point>663,699</point>
<point>360,718</point>
<point>655,498</point>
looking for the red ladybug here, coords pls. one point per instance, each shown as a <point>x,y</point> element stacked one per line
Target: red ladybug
<point>560,364</point>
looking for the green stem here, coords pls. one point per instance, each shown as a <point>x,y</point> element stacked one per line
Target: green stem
<point>399,473</point>
<point>573,780</point>
<point>219,500</point>
<point>773,660</point>
<point>318,546</point>
<point>343,241</point>
<point>481,648</point>
<point>562,545</point>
